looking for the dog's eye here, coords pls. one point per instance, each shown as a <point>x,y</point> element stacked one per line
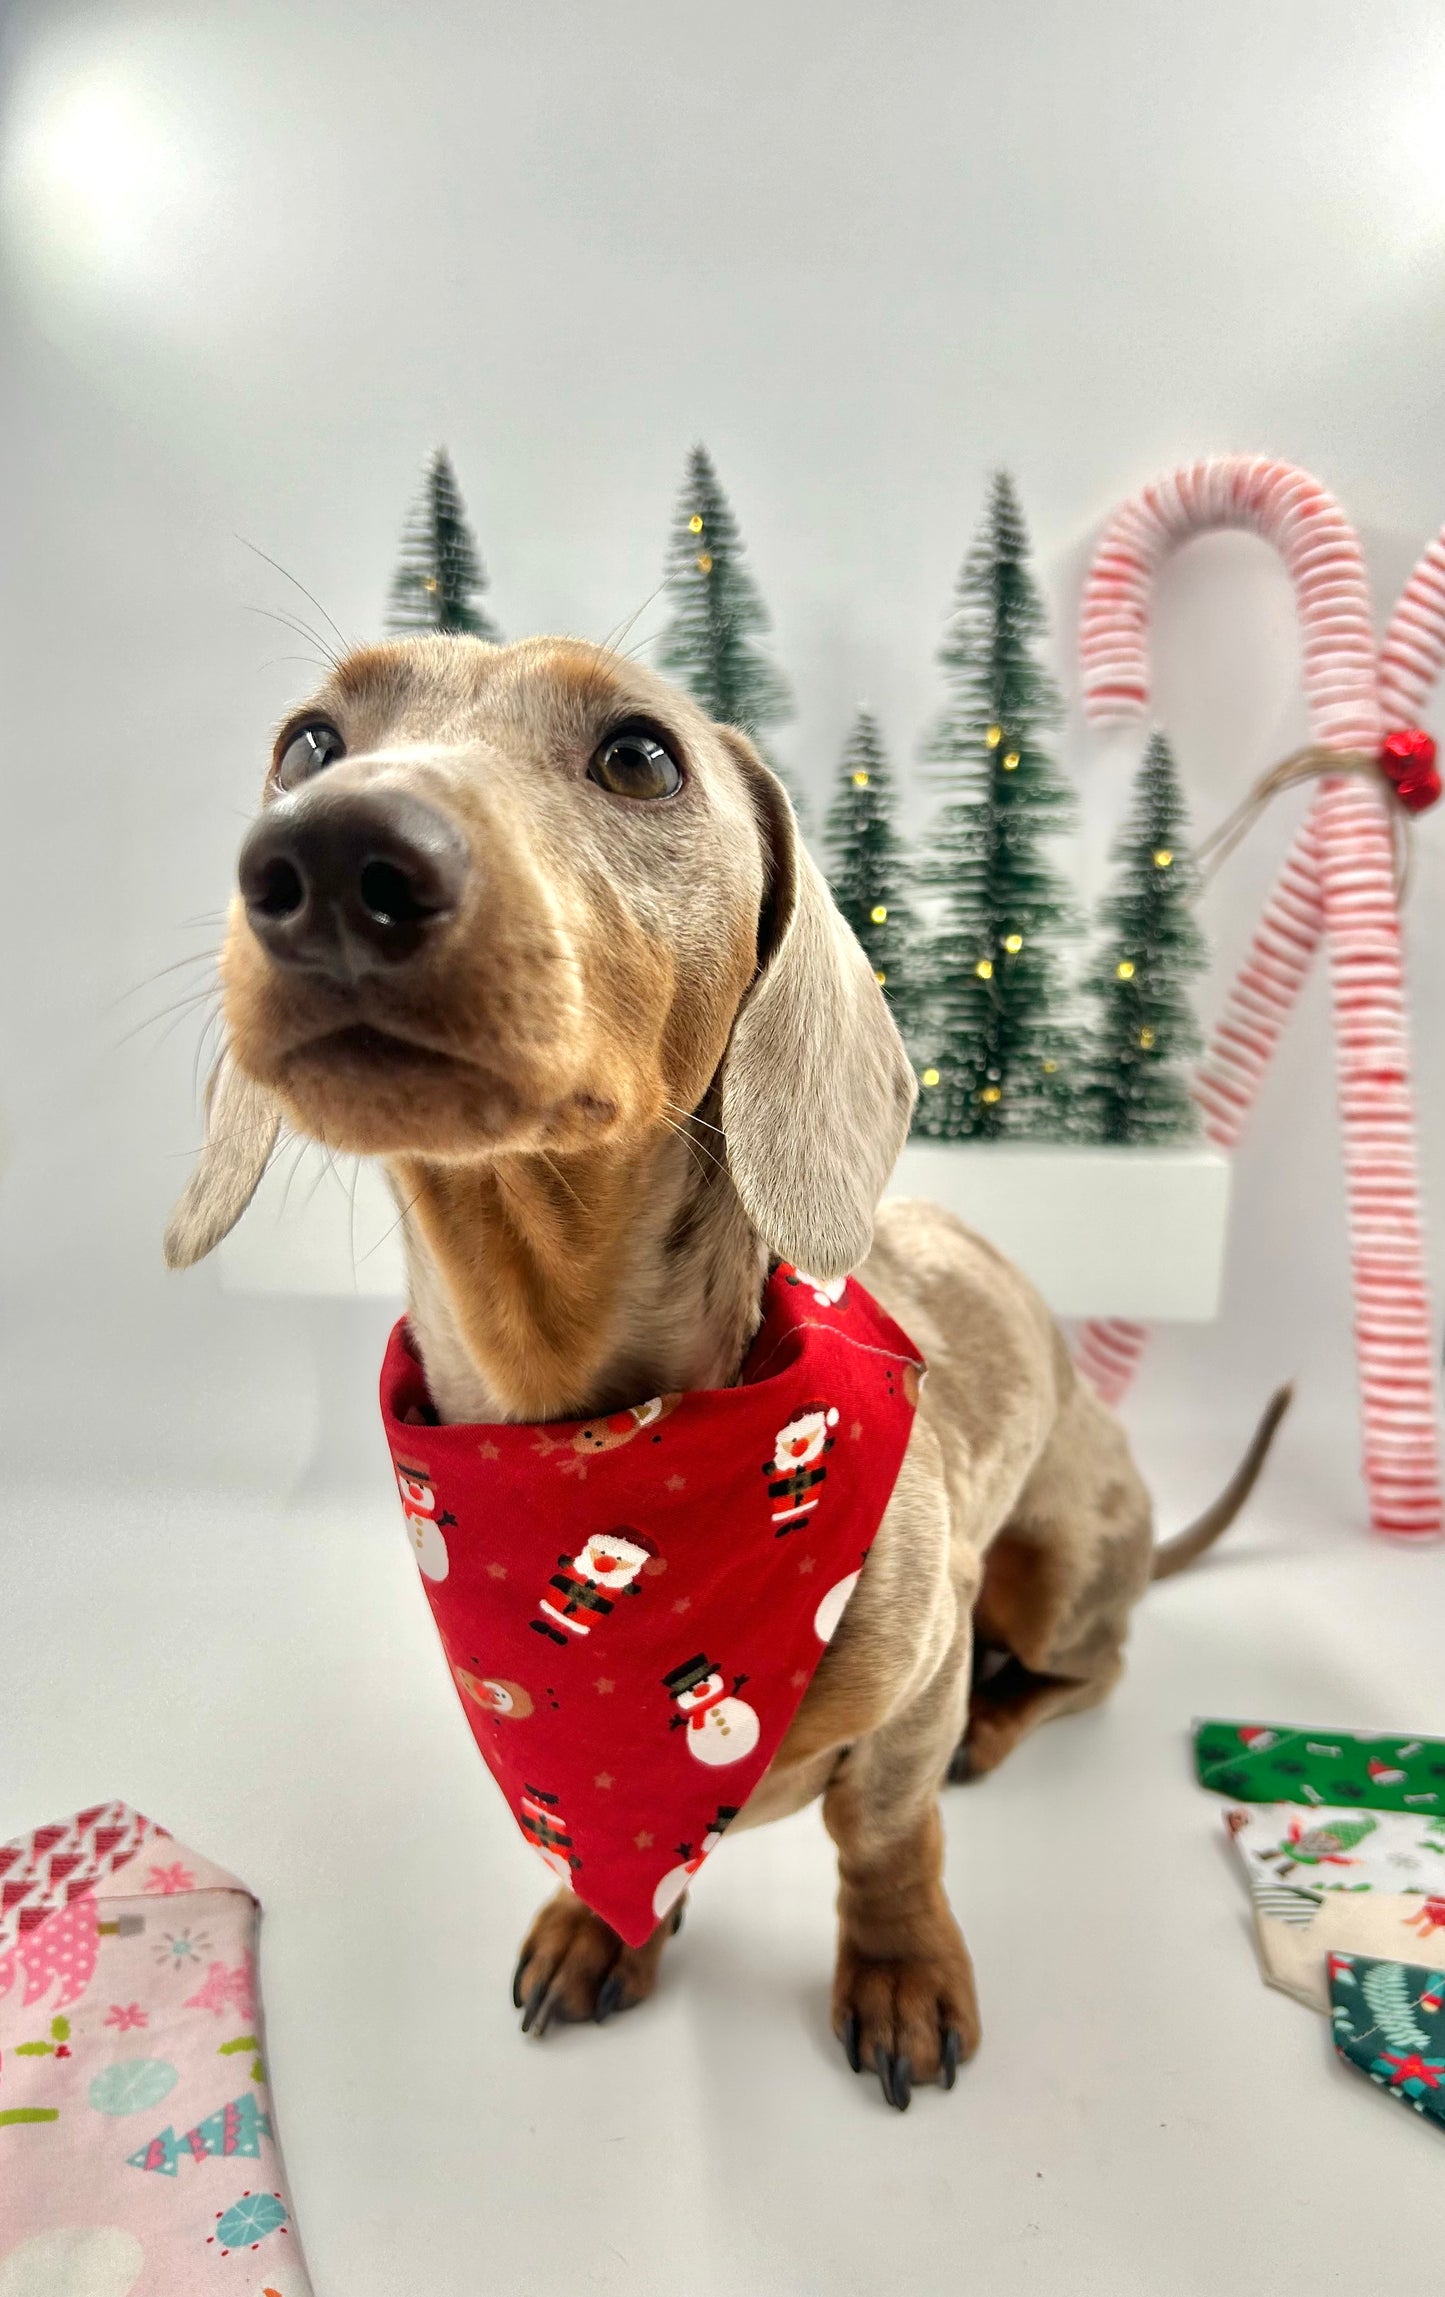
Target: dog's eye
<point>634,764</point>
<point>306,753</point>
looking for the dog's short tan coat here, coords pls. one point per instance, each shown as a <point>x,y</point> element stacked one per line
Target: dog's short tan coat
<point>646,1056</point>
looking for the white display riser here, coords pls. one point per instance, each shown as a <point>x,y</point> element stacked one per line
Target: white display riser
<point>1102,1232</point>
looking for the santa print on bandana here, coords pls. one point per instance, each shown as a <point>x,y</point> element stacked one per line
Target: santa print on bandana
<point>631,1611</point>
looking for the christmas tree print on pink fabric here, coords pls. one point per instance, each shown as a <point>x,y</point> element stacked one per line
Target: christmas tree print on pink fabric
<point>62,1949</point>
<point>226,1990</point>
<point>233,2129</point>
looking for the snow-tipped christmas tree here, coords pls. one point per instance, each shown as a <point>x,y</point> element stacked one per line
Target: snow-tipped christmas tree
<point>711,644</point>
<point>1000,1053</point>
<point>440,580</point>
<point>867,866</point>
<point>1150,943</point>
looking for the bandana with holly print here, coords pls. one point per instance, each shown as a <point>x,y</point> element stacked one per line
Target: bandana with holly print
<point>633,1607</point>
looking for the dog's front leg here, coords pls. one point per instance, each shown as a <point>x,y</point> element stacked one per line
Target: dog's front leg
<point>904,2004</point>
<point>574,1966</point>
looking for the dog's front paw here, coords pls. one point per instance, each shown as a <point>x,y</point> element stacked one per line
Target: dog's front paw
<point>574,1966</point>
<point>908,2018</point>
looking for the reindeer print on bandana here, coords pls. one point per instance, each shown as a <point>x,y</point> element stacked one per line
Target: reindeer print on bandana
<point>572,1568</point>
<point>594,1437</point>
<point>795,1471</point>
<point>583,1587</point>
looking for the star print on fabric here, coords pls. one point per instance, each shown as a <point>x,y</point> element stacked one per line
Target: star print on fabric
<point>683,1603</point>
<point>806,1564</point>
<point>170,1881</point>
<point>488,1451</point>
<point>800,1679</point>
<point>496,1571</point>
<point>643,1840</point>
<point>605,1684</point>
<point>855,1432</point>
<point>603,1780</point>
<point>125,2015</point>
<point>675,1483</point>
<point>225,1989</point>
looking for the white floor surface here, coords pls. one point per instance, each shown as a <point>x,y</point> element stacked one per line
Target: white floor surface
<point>1145,2119</point>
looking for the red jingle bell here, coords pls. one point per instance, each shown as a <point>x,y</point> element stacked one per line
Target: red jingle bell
<point>1407,759</point>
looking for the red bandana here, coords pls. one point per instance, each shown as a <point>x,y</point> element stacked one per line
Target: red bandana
<point>633,1607</point>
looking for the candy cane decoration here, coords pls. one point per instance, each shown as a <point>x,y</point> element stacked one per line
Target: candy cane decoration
<point>1337,883</point>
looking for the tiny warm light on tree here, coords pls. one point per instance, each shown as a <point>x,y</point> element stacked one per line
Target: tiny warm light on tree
<point>440,580</point>
<point>991,967</point>
<point>1137,1088</point>
<point>868,866</point>
<point>712,643</point>
<point>929,1078</point>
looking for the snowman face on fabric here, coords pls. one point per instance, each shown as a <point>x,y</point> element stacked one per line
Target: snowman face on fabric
<point>802,1440</point>
<point>610,1559</point>
<point>711,1687</point>
<point>417,1495</point>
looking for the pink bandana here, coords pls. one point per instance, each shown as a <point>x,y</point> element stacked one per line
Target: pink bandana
<point>633,1607</point>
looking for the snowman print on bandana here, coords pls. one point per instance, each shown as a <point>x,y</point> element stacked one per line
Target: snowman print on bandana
<point>720,1727</point>
<point>583,1588</point>
<point>677,1878</point>
<point>795,1472</point>
<point>419,1505</point>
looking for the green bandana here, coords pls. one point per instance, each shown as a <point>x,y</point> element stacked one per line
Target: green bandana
<point>1389,2019</point>
<point>1273,1762</point>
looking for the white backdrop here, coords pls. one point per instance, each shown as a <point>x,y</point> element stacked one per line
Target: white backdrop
<point>256,262</point>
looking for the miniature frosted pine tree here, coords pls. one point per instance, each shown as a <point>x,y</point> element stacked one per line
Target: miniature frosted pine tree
<point>1000,1054</point>
<point>711,644</point>
<point>1144,1028</point>
<point>866,864</point>
<point>440,580</point>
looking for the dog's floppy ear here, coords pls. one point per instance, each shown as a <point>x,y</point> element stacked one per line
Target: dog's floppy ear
<point>817,1090</point>
<point>242,1121</point>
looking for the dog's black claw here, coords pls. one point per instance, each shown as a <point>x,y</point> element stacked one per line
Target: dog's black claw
<point>522,1960</point>
<point>960,1770</point>
<point>887,2069</point>
<point>902,2083</point>
<point>609,1998</point>
<point>849,2040</point>
<point>952,2052</point>
<point>535,2003</point>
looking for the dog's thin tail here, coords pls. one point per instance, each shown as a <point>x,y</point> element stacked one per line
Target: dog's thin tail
<point>1186,1547</point>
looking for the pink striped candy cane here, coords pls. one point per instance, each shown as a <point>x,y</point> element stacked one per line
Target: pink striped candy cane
<point>1337,881</point>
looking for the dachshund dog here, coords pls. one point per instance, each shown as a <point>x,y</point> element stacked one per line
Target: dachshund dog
<point>524,923</point>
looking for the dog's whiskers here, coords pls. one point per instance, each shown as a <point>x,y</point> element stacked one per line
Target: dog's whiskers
<point>288,576</point>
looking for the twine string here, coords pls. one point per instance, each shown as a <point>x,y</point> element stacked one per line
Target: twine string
<point>1315,762</point>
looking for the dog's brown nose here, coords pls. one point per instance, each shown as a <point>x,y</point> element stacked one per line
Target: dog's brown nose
<point>350,882</point>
